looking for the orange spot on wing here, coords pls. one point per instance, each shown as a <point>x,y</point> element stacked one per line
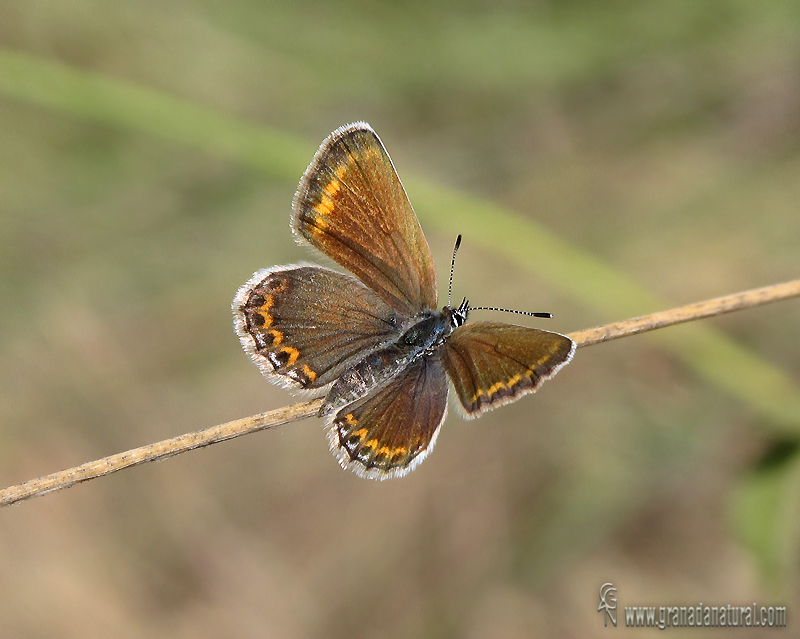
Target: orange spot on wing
<point>268,302</point>
<point>495,387</point>
<point>293,354</point>
<point>318,226</point>
<point>514,380</point>
<point>267,319</point>
<point>554,348</point>
<point>332,188</point>
<point>263,310</point>
<point>325,206</point>
<point>312,375</point>
<point>277,336</point>
<point>498,386</point>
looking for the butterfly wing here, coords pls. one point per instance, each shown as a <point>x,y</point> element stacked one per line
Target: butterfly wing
<point>491,364</point>
<point>304,325</point>
<point>389,432</point>
<point>351,206</point>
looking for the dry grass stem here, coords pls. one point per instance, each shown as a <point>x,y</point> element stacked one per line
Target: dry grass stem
<point>696,311</point>
<point>176,445</point>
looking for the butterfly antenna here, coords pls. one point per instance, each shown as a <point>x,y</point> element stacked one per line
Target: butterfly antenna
<point>508,310</point>
<point>452,268</point>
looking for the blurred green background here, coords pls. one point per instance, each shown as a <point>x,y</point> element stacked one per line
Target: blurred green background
<point>601,159</point>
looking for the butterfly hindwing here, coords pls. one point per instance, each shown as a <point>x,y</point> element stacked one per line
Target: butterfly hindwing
<point>303,325</point>
<point>351,206</point>
<point>389,432</point>
<point>491,364</point>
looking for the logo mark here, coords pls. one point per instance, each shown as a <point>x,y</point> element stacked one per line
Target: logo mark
<point>608,603</point>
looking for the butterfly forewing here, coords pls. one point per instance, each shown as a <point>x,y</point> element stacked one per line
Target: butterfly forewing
<point>492,364</point>
<point>389,432</point>
<point>303,325</point>
<point>351,206</point>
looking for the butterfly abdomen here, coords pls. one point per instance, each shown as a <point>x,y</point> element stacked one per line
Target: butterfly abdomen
<point>358,380</point>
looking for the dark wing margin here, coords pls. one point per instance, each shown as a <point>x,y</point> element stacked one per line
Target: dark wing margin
<point>303,324</point>
<point>388,433</point>
<point>491,364</point>
<point>352,206</point>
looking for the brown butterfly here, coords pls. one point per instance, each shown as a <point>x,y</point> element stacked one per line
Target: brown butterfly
<point>373,342</point>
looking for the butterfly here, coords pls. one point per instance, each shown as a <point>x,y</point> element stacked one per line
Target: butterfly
<point>371,341</point>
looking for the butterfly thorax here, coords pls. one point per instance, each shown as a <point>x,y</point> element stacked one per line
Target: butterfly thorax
<point>429,331</point>
<point>426,333</point>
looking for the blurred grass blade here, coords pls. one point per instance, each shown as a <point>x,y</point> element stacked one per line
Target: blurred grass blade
<point>103,99</point>
<point>765,512</point>
<point>611,294</point>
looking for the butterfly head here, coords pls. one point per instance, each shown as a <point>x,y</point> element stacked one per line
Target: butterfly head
<point>457,316</point>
